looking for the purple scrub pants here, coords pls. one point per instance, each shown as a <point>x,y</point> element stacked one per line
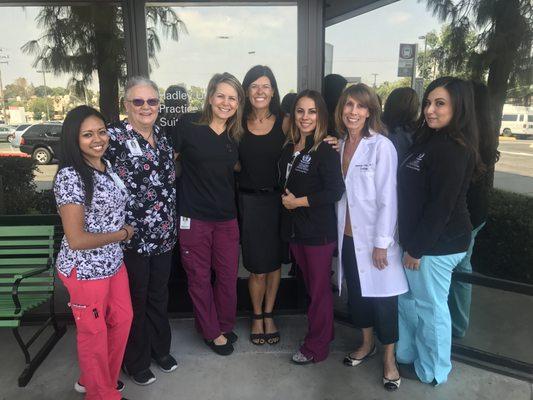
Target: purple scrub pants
<point>207,246</point>
<point>315,264</point>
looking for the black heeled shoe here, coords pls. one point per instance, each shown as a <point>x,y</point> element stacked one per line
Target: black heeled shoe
<point>274,337</point>
<point>257,338</point>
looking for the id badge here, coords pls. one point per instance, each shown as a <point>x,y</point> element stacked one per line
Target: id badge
<point>185,223</point>
<point>133,147</point>
<point>118,181</point>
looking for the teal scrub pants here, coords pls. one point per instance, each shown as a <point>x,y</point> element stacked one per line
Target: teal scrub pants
<point>461,292</point>
<point>424,318</point>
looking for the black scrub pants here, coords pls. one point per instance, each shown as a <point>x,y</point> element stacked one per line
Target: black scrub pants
<point>380,313</point>
<point>150,330</point>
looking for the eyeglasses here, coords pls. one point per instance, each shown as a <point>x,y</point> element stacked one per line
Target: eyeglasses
<point>140,102</point>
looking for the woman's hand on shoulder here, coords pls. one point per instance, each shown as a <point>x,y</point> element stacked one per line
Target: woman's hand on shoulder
<point>410,262</point>
<point>379,258</point>
<point>333,142</point>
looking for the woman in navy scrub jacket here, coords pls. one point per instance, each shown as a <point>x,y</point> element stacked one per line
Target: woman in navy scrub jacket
<point>434,225</point>
<point>312,182</point>
<point>209,233</point>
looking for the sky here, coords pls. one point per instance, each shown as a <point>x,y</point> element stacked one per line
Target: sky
<point>363,45</point>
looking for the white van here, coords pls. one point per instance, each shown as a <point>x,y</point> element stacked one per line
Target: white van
<point>517,121</point>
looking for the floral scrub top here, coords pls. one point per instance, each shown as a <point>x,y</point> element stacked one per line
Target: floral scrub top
<point>149,175</point>
<point>105,214</point>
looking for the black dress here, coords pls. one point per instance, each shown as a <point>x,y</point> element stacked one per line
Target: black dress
<point>260,199</point>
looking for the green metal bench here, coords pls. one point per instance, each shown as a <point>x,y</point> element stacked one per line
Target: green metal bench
<point>26,282</point>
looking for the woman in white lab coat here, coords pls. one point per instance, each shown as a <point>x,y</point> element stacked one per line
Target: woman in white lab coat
<point>370,256</point>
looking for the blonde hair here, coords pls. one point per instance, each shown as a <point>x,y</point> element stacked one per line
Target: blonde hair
<point>367,97</point>
<point>234,123</point>
<point>321,130</point>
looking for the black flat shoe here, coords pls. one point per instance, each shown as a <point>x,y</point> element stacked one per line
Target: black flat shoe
<point>391,385</point>
<point>231,336</point>
<point>354,362</point>
<point>220,349</point>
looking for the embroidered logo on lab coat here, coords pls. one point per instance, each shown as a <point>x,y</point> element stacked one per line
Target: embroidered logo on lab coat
<point>416,162</point>
<point>304,164</point>
<point>364,166</point>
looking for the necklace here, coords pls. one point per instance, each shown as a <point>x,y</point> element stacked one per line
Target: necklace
<point>269,114</point>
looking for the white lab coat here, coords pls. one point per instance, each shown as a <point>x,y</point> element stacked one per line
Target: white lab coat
<point>372,200</point>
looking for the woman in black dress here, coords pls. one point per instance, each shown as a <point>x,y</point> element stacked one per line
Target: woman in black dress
<point>259,198</point>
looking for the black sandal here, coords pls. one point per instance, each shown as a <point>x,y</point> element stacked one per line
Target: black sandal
<point>257,338</point>
<point>274,337</point>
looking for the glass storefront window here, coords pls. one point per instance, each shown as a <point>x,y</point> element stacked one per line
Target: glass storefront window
<point>52,59</point>
<point>214,39</point>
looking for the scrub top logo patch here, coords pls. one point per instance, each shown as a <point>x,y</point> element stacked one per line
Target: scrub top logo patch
<point>416,162</point>
<point>304,164</point>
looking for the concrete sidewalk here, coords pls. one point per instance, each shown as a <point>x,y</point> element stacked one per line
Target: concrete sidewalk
<point>252,372</point>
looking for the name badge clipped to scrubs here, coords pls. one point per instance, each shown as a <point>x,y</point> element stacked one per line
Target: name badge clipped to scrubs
<point>133,147</point>
<point>117,181</point>
<point>185,223</point>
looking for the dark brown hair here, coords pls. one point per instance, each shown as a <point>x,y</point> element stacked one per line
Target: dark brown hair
<point>321,130</point>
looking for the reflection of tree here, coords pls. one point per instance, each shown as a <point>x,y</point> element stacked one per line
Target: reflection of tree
<point>19,88</point>
<point>38,107</point>
<point>386,88</point>
<point>82,40</point>
<point>196,98</point>
<point>503,49</point>
<point>443,56</point>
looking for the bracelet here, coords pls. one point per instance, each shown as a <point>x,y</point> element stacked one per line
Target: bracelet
<point>125,237</point>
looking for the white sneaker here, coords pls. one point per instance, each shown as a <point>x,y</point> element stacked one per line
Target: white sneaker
<point>78,387</point>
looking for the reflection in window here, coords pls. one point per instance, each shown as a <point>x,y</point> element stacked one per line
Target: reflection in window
<point>218,39</point>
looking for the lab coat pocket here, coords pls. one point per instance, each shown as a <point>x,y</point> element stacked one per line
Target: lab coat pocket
<point>366,188</point>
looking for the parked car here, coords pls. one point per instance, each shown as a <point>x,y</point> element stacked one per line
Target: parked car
<point>517,121</point>
<point>17,134</point>
<point>5,132</point>
<point>41,141</point>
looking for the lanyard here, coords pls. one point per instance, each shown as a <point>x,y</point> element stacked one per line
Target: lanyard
<point>289,166</point>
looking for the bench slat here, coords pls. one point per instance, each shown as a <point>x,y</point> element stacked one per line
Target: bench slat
<point>34,230</point>
<point>12,252</point>
<point>25,242</point>
<point>22,261</point>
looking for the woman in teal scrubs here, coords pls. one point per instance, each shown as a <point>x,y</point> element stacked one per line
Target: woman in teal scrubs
<point>434,225</point>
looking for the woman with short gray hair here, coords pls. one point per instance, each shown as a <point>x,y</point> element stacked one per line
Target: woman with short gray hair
<point>143,159</point>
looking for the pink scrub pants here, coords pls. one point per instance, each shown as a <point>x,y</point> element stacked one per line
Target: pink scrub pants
<point>102,312</point>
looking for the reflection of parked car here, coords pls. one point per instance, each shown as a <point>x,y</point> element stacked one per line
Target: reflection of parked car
<point>517,121</point>
<point>41,141</point>
<point>15,141</point>
<point>5,132</point>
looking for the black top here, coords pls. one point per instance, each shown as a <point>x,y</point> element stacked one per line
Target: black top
<point>149,175</point>
<point>317,175</point>
<point>207,186</point>
<point>259,155</point>
<point>402,139</point>
<point>432,185</point>
<point>477,200</point>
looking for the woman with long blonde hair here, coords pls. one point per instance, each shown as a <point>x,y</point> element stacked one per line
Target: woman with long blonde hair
<point>208,231</point>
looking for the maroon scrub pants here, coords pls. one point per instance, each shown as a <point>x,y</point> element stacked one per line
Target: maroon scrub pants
<point>315,264</point>
<point>207,246</point>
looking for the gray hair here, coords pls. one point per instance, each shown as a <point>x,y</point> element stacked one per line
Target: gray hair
<point>139,81</point>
